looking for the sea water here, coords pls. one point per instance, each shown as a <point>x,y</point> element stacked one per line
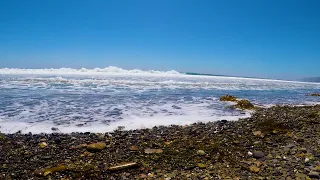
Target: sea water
<point>101,100</point>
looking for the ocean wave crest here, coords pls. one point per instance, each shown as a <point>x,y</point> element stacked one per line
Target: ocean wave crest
<point>110,70</point>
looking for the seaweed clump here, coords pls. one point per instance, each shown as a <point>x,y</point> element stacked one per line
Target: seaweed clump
<point>244,104</point>
<point>228,98</point>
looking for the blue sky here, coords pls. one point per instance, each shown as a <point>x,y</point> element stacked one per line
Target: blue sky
<point>262,38</point>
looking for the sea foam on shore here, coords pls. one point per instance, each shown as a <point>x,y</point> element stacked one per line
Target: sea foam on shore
<point>35,100</point>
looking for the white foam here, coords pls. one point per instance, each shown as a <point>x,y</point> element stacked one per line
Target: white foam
<point>156,82</point>
<point>98,127</point>
<point>134,115</point>
<point>116,71</point>
<point>111,70</point>
<point>103,99</point>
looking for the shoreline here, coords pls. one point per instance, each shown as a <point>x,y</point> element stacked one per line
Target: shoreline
<point>280,141</point>
<point>246,114</point>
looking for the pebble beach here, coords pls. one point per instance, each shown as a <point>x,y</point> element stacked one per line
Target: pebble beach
<point>281,142</point>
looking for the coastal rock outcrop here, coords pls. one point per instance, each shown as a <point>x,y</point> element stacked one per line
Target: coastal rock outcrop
<point>228,97</point>
<point>244,104</point>
<point>314,94</point>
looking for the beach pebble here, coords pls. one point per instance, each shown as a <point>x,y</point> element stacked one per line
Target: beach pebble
<point>258,154</point>
<point>258,133</point>
<point>254,169</point>
<point>304,150</point>
<point>290,146</point>
<point>314,174</point>
<point>96,147</point>
<point>306,160</point>
<point>43,144</point>
<point>133,148</point>
<point>39,172</point>
<point>201,152</point>
<point>101,137</point>
<point>202,166</point>
<point>286,149</point>
<point>152,151</point>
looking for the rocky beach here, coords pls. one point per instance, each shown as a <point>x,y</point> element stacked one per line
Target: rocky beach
<point>281,142</point>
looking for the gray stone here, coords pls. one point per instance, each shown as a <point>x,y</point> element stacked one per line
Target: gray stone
<point>258,154</point>
<point>286,149</point>
<point>290,146</point>
<point>304,150</point>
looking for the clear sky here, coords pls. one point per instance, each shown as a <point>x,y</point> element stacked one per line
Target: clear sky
<point>263,38</point>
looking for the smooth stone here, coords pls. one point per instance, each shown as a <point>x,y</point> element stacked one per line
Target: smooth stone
<point>46,157</point>
<point>258,154</point>
<point>101,137</point>
<point>39,172</point>
<point>314,174</point>
<point>286,149</point>
<point>201,152</point>
<point>304,150</point>
<point>43,144</point>
<point>290,146</point>
<point>54,129</point>
<point>202,166</point>
<point>152,151</point>
<point>96,147</point>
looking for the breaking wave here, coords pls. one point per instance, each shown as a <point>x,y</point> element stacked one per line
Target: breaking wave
<point>111,70</point>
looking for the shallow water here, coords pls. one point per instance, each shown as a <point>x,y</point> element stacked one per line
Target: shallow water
<point>100,100</point>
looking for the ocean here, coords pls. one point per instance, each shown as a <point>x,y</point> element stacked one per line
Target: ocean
<point>102,100</point>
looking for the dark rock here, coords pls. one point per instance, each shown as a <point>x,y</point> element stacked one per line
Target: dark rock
<point>304,150</point>
<point>57,140</point>
<point>39,172</point>
<point>228,98</point>
<point>46,157</point>
<point>244,104</point>
<point>258,154</point>
<point>54,129</point>
<point>314,174</point>
<point>314,94</point>
<point>176,107</point>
